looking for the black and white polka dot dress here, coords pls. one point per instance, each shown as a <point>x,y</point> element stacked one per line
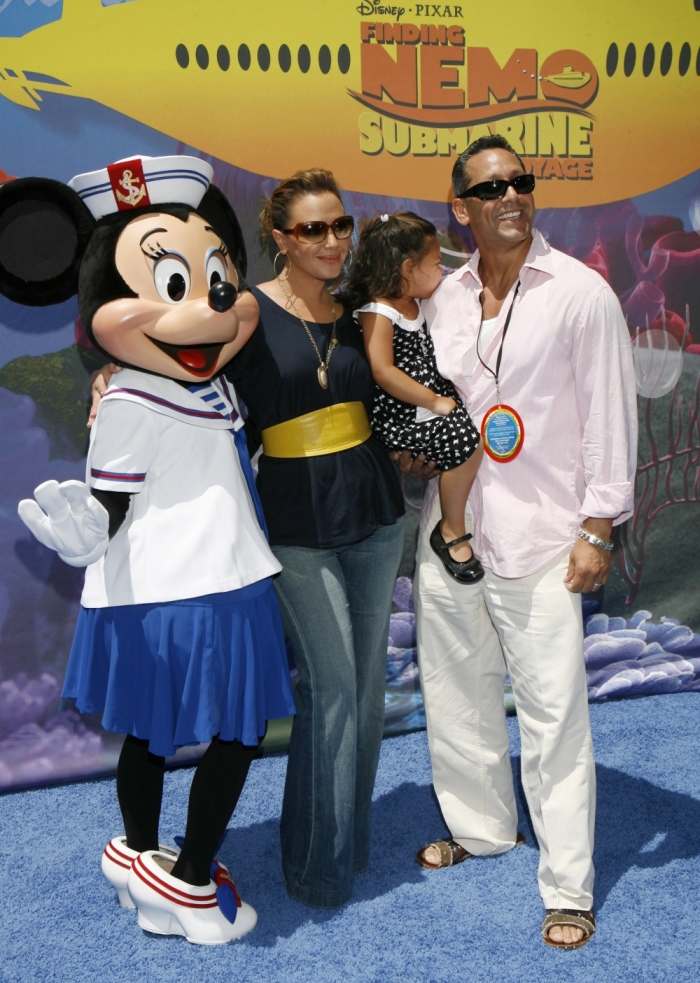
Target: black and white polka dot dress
<point>447,440</point>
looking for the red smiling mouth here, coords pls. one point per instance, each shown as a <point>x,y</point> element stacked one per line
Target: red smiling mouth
<point>197,359</point>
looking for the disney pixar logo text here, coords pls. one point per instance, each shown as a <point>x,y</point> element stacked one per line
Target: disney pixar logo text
<point>367,9</point>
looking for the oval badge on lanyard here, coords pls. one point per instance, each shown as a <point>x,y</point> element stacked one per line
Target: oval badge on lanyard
<point>503,433</point>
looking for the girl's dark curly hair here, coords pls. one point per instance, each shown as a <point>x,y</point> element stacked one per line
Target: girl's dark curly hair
<point>383,247</point>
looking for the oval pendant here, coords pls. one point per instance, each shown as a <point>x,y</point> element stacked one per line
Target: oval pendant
<point>322,374</point>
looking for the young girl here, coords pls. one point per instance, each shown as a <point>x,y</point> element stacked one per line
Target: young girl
<point>397,266</point>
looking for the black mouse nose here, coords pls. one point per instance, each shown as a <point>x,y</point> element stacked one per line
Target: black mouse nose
<point>222,296</point>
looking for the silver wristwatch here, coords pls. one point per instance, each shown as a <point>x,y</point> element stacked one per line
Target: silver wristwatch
<point>602,544</point>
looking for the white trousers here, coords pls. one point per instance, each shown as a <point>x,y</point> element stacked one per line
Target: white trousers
<point>468,638</point>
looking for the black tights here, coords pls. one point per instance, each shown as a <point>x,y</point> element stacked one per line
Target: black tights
<point>215,790</point>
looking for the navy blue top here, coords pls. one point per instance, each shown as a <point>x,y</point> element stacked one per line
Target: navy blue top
<point>334,499</point>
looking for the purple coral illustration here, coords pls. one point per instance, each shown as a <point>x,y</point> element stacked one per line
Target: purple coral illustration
<point>403,702</point>
<point>35,750</point>
<point>636,657</point>
<point>38,602</point>
<point>624,658</point>
<point>24,700</point>
<point>62,748</point>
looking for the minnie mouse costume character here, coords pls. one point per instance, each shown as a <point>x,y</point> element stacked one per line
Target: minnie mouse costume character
<point>178,639</point>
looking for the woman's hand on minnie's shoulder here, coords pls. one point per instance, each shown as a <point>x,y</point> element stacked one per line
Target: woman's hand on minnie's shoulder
<point>443,405</point>
<point>98,385</point>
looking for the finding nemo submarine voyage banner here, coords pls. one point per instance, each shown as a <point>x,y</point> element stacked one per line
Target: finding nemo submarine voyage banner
<point>601,100</point>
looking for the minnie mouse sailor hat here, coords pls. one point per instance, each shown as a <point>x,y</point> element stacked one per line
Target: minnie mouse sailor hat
<point>142,181</point>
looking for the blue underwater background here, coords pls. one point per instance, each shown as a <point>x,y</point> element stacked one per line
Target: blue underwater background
<point>642,640</point>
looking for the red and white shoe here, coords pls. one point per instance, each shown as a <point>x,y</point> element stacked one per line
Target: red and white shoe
<point>169,906</point>
<point>117,859</point>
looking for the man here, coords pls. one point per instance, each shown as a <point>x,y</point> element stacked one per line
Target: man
<point>538,348</point>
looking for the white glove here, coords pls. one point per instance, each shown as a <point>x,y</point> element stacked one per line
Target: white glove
<point>75,524</point>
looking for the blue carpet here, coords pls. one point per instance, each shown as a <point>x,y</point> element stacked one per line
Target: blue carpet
<point>477,922</point>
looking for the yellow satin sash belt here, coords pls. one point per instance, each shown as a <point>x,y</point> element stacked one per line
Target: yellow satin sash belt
<point>327,431</point>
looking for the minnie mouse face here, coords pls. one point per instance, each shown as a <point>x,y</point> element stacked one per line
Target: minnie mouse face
<point>181,321</point>
<point>156,284</point>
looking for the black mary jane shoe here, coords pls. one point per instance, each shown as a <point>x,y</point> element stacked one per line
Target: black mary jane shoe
<point>468,572</point>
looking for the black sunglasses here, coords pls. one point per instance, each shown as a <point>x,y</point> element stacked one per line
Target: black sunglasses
<point>318,231</point>
<point>524,184</point>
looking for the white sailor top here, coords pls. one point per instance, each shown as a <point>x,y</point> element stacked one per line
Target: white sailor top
<point>191,528</point>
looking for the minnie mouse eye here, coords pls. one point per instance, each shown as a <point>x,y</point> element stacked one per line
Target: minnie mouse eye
<point>172,279</point>
<point>216,269</point>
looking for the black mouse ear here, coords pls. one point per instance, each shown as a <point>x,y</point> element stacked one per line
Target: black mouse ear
<point>44,231</point>
<point>216,209</point>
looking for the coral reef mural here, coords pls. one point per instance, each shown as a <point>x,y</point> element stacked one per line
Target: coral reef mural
<point>403,701</point>
<point>624,658</point>
<point>638,657</point>
<point>647,248</point>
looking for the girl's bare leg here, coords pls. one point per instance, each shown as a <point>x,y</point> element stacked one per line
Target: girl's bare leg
<point>455,486</point>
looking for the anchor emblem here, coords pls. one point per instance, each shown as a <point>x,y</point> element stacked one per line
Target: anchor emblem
<point>131,186</point>
<point>128,176</point>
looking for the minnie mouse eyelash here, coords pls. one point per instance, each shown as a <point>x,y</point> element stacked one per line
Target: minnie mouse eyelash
<point>157,252</point>
<point>154,252</point>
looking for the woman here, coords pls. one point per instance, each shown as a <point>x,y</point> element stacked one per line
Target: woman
<point>336,525</point>
<point>334,509</point>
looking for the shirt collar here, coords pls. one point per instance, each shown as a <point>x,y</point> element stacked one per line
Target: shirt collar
<point>539,257</point>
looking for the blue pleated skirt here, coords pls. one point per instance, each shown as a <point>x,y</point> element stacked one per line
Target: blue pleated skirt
<point>179,673</point>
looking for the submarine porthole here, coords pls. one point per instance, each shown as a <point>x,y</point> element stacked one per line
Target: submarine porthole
<point>324,59</point>
<point>264,57</point>
<point>244,56</point>
<point>684,59</point>
<point>223,57</point>
<point>284,57</point>
<point>182,56</point>
<point>612,60</point>
<point>202,56</point>
<point>630,59</point>
<point>304,59</point>
<point>666,58</point>
<point>344,59</point>
<point>648,60</point>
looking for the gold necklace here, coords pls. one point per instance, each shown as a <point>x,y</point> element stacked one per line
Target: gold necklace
<point>322,371</point>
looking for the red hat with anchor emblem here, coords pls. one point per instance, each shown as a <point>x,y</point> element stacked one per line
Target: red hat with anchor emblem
<point>138,182</point>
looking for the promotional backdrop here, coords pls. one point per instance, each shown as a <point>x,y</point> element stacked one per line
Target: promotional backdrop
<point>601,101</point>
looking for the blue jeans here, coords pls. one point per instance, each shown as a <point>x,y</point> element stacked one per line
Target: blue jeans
<point>335,606</point>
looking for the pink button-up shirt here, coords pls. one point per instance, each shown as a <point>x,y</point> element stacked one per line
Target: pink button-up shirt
<point>567,370</point>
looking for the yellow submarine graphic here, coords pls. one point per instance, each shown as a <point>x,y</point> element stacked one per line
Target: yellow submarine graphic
<point>601,101</point>
<point>569,79</point>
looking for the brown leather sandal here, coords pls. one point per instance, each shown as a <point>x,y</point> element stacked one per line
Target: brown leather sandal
<point>451,853</point>
<point>585,920</point>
